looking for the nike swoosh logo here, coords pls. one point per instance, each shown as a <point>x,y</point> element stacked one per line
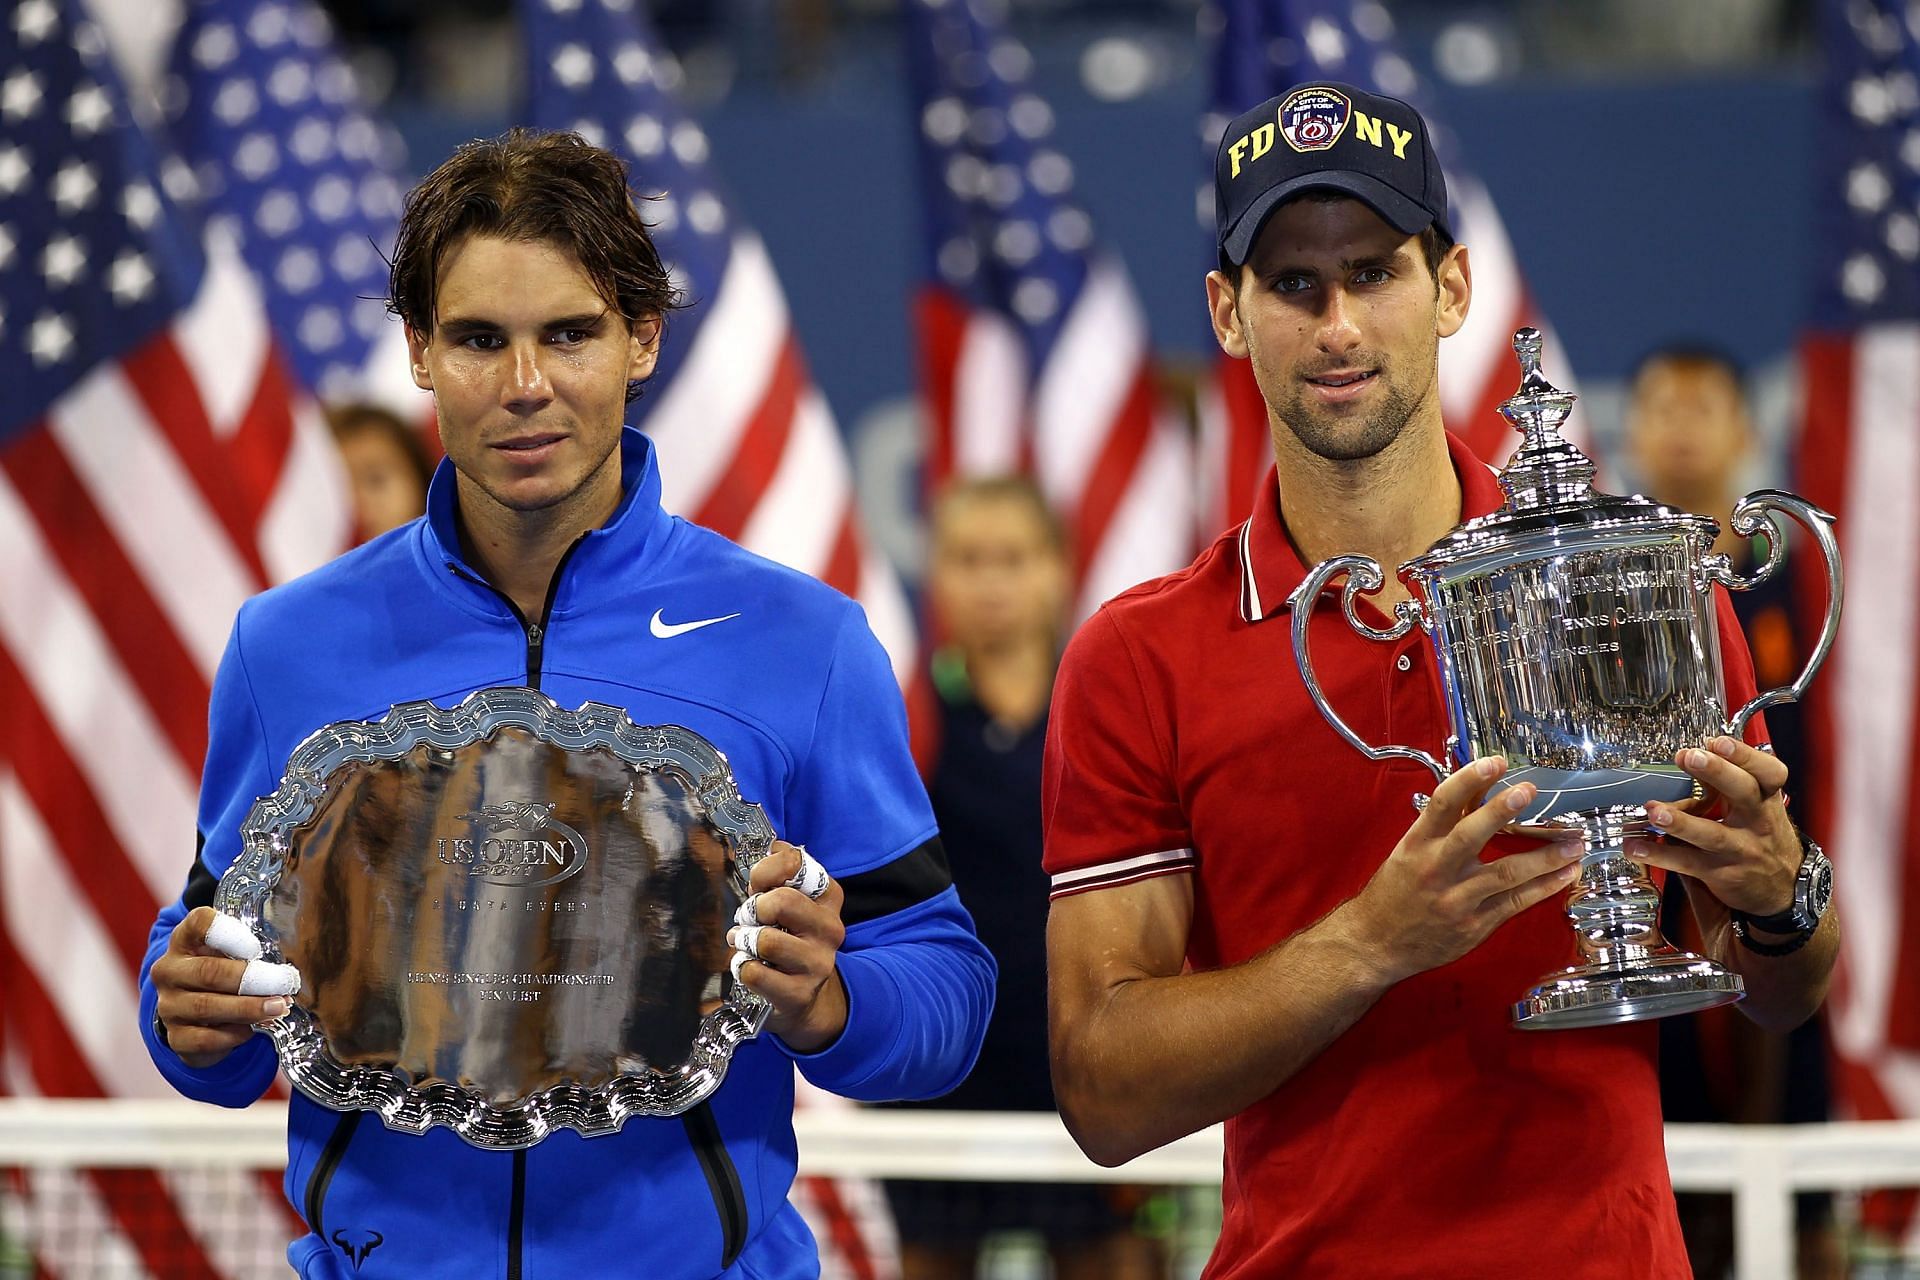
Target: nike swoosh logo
<point>668,630</point>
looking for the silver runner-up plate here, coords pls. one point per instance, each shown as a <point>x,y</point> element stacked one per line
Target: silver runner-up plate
<point>509,918</point>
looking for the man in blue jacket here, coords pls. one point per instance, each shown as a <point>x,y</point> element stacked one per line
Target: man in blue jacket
<point>534,303</point>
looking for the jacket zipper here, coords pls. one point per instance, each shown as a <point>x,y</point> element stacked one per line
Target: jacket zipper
<point>536,633</point>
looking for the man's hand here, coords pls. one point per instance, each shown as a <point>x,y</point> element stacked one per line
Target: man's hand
<point>1748,858</point>
<point>1433,899</point>
<point>199,984</point>
<point>786,936</point>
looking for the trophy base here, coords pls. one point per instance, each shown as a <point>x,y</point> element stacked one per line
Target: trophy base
<point>1666,982</point>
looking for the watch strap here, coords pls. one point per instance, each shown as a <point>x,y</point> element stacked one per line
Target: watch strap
<point>1787,921</point>
<point>1784,948</point>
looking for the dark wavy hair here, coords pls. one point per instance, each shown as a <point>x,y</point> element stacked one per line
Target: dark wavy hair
<point>533,185</point>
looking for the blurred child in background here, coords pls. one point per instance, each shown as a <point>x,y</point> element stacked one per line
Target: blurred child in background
<point>386,464</point>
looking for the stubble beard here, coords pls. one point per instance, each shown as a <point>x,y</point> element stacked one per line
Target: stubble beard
<point>552,504</point>
<point>1339,437</point>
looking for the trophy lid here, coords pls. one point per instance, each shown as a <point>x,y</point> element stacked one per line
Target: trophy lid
<point>1546,471</point>
<point>1549,481</point>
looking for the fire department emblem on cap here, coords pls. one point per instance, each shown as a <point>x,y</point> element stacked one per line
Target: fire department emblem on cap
<point>1313,118</point>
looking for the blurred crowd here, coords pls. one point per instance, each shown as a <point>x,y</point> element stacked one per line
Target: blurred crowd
<point>443,54</point>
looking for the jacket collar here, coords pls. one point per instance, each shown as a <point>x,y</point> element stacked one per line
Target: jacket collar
<point>634,530</point>
<point>1270,568</point>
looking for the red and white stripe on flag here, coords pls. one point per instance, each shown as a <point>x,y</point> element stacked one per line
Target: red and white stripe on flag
<point>1860,459</point>
<point>1106,451</point>
<point>974,369</point>
<point>1109,454</point>
<point>1477,372</point>
<point>164,489</point>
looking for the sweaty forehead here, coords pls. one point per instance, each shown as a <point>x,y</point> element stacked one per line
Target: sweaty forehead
<point>496,277</point>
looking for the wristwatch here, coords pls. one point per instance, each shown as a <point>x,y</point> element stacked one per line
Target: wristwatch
<point>1812,890</point>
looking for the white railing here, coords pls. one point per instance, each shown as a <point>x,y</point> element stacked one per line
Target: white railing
<point>1762,1166</point>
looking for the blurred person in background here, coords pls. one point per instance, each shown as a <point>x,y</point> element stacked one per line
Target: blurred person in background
<point>386,464</point>
<point>999,581</point>
<point>1690,438</point>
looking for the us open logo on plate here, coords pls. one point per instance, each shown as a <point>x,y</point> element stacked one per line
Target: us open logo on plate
<point>519,844</point>
<point>1312,119</point>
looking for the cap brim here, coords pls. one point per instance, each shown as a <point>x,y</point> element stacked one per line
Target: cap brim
<point>1400,212</point>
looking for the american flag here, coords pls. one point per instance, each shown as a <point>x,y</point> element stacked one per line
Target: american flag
<point>748,446</point>
<point>260,102</point>
<point>1262,48</point>
<point>156,469</point>
<point>1033,345</point>
<point>1860,458</point>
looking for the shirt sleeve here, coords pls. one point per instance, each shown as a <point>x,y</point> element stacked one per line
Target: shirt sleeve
<point>237,773</point>
<point>919,982</point>
<point>1109,804</point>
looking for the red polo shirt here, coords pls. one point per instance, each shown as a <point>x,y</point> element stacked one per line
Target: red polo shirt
<point>1432,1139</point>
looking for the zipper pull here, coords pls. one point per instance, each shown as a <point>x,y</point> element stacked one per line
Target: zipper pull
<point>534,634</point>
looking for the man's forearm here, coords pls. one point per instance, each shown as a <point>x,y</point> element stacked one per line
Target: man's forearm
<point>1166,1056</point>
<point>919,987</point>
<point>1782,991</point>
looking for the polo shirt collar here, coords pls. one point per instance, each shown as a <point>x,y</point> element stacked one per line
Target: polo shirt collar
<point>1270,569</point>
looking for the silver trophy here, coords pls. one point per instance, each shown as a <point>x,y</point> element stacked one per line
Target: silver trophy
<point>1575,635</point>
<point>509,918</point>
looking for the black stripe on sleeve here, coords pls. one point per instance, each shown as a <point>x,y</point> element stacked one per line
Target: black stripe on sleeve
<point>200,882</point>
<point>914,876</point>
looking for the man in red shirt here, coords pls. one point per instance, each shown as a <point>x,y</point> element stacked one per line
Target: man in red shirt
<point>1249,924</point>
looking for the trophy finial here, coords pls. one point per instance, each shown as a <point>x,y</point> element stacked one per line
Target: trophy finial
<point>1545,471</point>
<point>1527,344</point>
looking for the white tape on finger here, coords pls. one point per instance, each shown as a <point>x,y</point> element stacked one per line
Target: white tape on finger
<point>812,878</point>
<point>746,940</point>
<point>229,937</point>
<point>739,959</point>
<point>263,978</point>
<point>748,912</point>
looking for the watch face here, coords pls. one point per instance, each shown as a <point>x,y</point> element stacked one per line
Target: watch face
<point>1820,889</point>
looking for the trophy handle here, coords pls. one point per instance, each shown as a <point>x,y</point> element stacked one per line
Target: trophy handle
<point>1363,575</point>
<point>1750,518</point>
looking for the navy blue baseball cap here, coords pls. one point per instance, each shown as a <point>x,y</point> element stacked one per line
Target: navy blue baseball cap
<point>1322,136</point>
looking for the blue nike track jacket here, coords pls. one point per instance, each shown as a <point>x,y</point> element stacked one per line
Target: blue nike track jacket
<point>797,693</point>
